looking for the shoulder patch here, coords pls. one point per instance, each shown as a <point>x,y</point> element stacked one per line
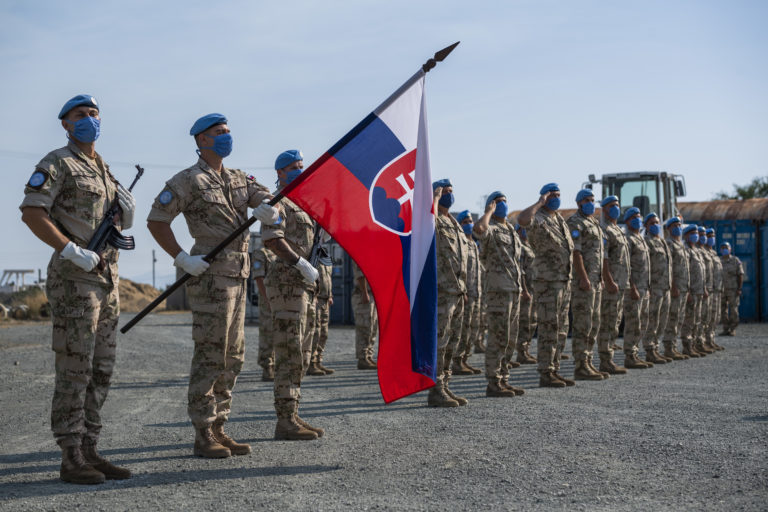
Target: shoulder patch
<point>250,177</point>
<point>37,179</point>
<point>165,197</point>
<point>575,233</point>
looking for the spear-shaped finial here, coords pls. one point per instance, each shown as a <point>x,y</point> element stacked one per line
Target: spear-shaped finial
<point>439,57</point>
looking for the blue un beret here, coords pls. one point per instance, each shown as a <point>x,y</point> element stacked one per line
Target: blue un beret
<point>80,99</point>
<point>441,183</point>
<point>494,195</point>
<point>690,227</point>
<point>671,221</point>
<point>286,158</point>
<point>609,200</point>
<point>649,217</point>
<point>584,193</point>
<point>703,229</point>
<point>462,215</point>
<point>206,122</point>
<point>710,231</point>
<point>725,244</point>
<point>549,187</point>
<point>631,212</point>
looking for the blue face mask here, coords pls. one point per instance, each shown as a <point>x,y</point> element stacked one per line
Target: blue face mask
<point>446,200</point>
<point>655,229</point>
<point>676,231</point>
<point>693,238</point>
<point>501,209</point>
<point>711,242</point>
<point>467,228</point>
<point>553,203</point>
<point>588,208</point>
<point>222,145</point>
<point>86,129</point>
<point>635,222</point>
<point>292,175</point>
<point>725,252</point>
<point>614,211</point>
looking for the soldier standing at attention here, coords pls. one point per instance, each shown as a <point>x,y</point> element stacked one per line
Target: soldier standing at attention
<point>471,322</point>
<point>322,316</point>
<point>636,297</point>
<point>65,200</point>
<point>586,286</point>
<point>696,292</point>
<point>366,320</point>
<point>679,287</point>
<point>553,268</point>
<point>717,291</point>
<point>616,280</point>
<point>733,279</point>
<point>527,307</point>
<point>706,305</point>
<point>262,260</point>
<point>214,200</point>
<point>661,282</point>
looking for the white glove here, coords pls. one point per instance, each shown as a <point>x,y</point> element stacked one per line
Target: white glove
<point>83,258</point>
<point>309,272</point>
<point>265,213</point>
<point>194,265</point>
<point>128,204</point>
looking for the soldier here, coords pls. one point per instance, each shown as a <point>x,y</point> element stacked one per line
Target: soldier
<point>262,260</point>
<point>322,316</point>
<point>706,305</point>
<point>214,200</point>
<point>451,251</point>
<point>661,282</point>
<point>471,321</point>
<point>552,243</point>
<point>717,291</point>
<point>500,255</point>
<point>366,321</point>
<point>527,309</point>
<point>616,280</point>
<point>679,287</point>
<point>696,292</point>
<point>636,296</point>
<point>586,285</point>
<point>65,200</point>
<point>733,279</point>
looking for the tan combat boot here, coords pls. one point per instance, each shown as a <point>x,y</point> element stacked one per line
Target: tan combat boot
<point>688,349</point>
<point>710,344</point>
<point>207,446</point>
<point>564,356</point>
<point>99,463</point>
<point>327,370</point>
<point>437,397</point>
<point>525,357</point>
<point>549,380</point>
<point>700,348</point>
<point>583,372</point>
<point>669,352</point>
<point>458,399</point>
<point>518,391</point>
<point>457,368</point>
<point>608,366</point>
<point>371,361</point>
<point>677,352</point>
<point>365,364</point>
<point>652,357</point>
<point>475,371</point>
<point>317,430</point>
<point>496,390</point>
<point>658,355</point>
<point>223,439</point>
<point>632,362</point>
<point>313,369</point>
<point>268,374</point>
<point>289,429</point>
<point>75,470</point>
<point>568,382</point>
<point>592,367</point>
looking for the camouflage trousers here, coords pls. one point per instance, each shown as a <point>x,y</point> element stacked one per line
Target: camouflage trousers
<point>585,310</point>
<point>715,299</point>
<point>689,330</point>
<point>527,324</point>
<point>676,315</point>
<point>658,316</point>
<point>266,342</point>
<point>706,317</point>
<point>293,322</point>
<point>84,322</point>
<point>366,326</point>
<point>729,312</point>
<point>503,323</point>
<point>450,316</point>
<point>218,316</point>
<point>552,301</point>
<point>482,331</point>
<point>611,313</point>
<point>635,320</point>
<point>469,327</point>
<point>320,336</point>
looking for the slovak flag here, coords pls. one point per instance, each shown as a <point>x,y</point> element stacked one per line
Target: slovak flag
<point>372,191</point>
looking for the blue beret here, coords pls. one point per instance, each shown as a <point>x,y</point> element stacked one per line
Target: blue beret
<point>549,187</point>
<point>206,122</point>
<point>463,215</point>
<point>609,200</point>
<point>710,231</point>
<point>494,195</point>
<point>671,221</point>
<point>80,99</point>
<point>286,158</point>
<point>649,217</point>
<point>631,212</point>
<point>690,227</point>
<point>441,183</point>
<point>583,194</point>
<point>517,227</point>
<point>725,244</point>
<point>702,229</point>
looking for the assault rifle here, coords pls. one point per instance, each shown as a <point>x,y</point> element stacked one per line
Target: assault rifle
<point>107,233</point>
<point>318,252</point>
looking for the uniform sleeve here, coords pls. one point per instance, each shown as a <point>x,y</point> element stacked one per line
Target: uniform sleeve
<point>575,229</point>
<point>169,203</point>
<point>257,192</point>
<point>481,236</point>
<point>44,184</point>
<point>276,230</point>
<point>259,264</point>
<point>739,267</point>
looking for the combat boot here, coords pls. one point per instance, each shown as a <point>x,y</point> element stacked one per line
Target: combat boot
<point>496,390</point>
<point>688,349</point>
<point>457,368</point>
<point>99,463</point>
<point>518,391</point>
<point>568,382</point>
<point>75,470</point>
<point>458,399</point>
<point>669,352</point>
<point>317,430</point>
<point>207,446</point>
<point>677,352</point>
<point>563,355</point>
<point>313,369</point>
<point>710,344</point>
<point>701,349</point>
<point>658,355</point>
<point>289,429</point>
<point>437,397</point>
<point>608,366</point>
<point>268,374</point>
<point>223,439</point>
<point>524,357</point>
<point>595,370</point>
<point>632,362</point>
<point>475,371</point>
<point>365,364</point>
<point>549,380</point>
<point>583,372</point>
<point>327,370</point>
<point>651,356</point>
<point>371,361</point>
<point>717,347</point>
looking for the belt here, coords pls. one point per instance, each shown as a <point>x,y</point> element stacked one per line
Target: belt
<point>235,245</point>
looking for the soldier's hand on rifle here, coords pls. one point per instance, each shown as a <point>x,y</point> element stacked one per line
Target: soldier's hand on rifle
<point>127,204</point>
<point>193,265</point>
<point>309,272</point>
<point>83,258</point>
<point>265,213</point>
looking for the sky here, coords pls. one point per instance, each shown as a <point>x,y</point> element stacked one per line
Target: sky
<point>537,91</point>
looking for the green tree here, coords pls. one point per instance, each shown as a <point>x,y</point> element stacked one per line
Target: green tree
<point>758,187</point>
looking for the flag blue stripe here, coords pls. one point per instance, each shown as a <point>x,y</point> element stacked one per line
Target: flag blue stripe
<point>424,319</point>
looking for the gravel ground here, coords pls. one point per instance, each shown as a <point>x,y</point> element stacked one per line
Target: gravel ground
<point>689,435</point>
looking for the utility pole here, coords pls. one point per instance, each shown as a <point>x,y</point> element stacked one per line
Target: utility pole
<point>154,260</point>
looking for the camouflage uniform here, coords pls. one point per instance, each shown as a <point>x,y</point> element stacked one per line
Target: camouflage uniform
<point>553,268</point>
<point>366,321</point>
<point>527,309</point>
<point>706,302</point>
<point>717,295</point>
<point>213,204</point>
<point>612,304</point>
<point>292,300</point>
<point>471,323</point>
<point>680,279</point>
<point>732,269</point>
<point>661,282</point>
<point>76,194</point>
<point>263,258</point>
<point>691,323</point>
<point>323,310</point>
<point>636,311</point>
<point>500,255</point>
<point>482,332</point>
<point>585,305</point>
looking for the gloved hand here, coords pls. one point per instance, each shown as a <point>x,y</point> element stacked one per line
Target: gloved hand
<point>83,258</point>
<point>194,265</point>
<point>265,213</point>
<point>309,272</point>
<point>128,205</point>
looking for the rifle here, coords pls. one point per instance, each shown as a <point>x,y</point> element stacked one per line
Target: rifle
<point>318,251</point>
<point>107,233</point>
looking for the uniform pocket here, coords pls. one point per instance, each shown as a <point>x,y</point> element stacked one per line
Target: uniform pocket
<point>212,194</point>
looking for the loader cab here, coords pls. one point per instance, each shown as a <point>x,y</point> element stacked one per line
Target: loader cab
<point>648,191</point>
